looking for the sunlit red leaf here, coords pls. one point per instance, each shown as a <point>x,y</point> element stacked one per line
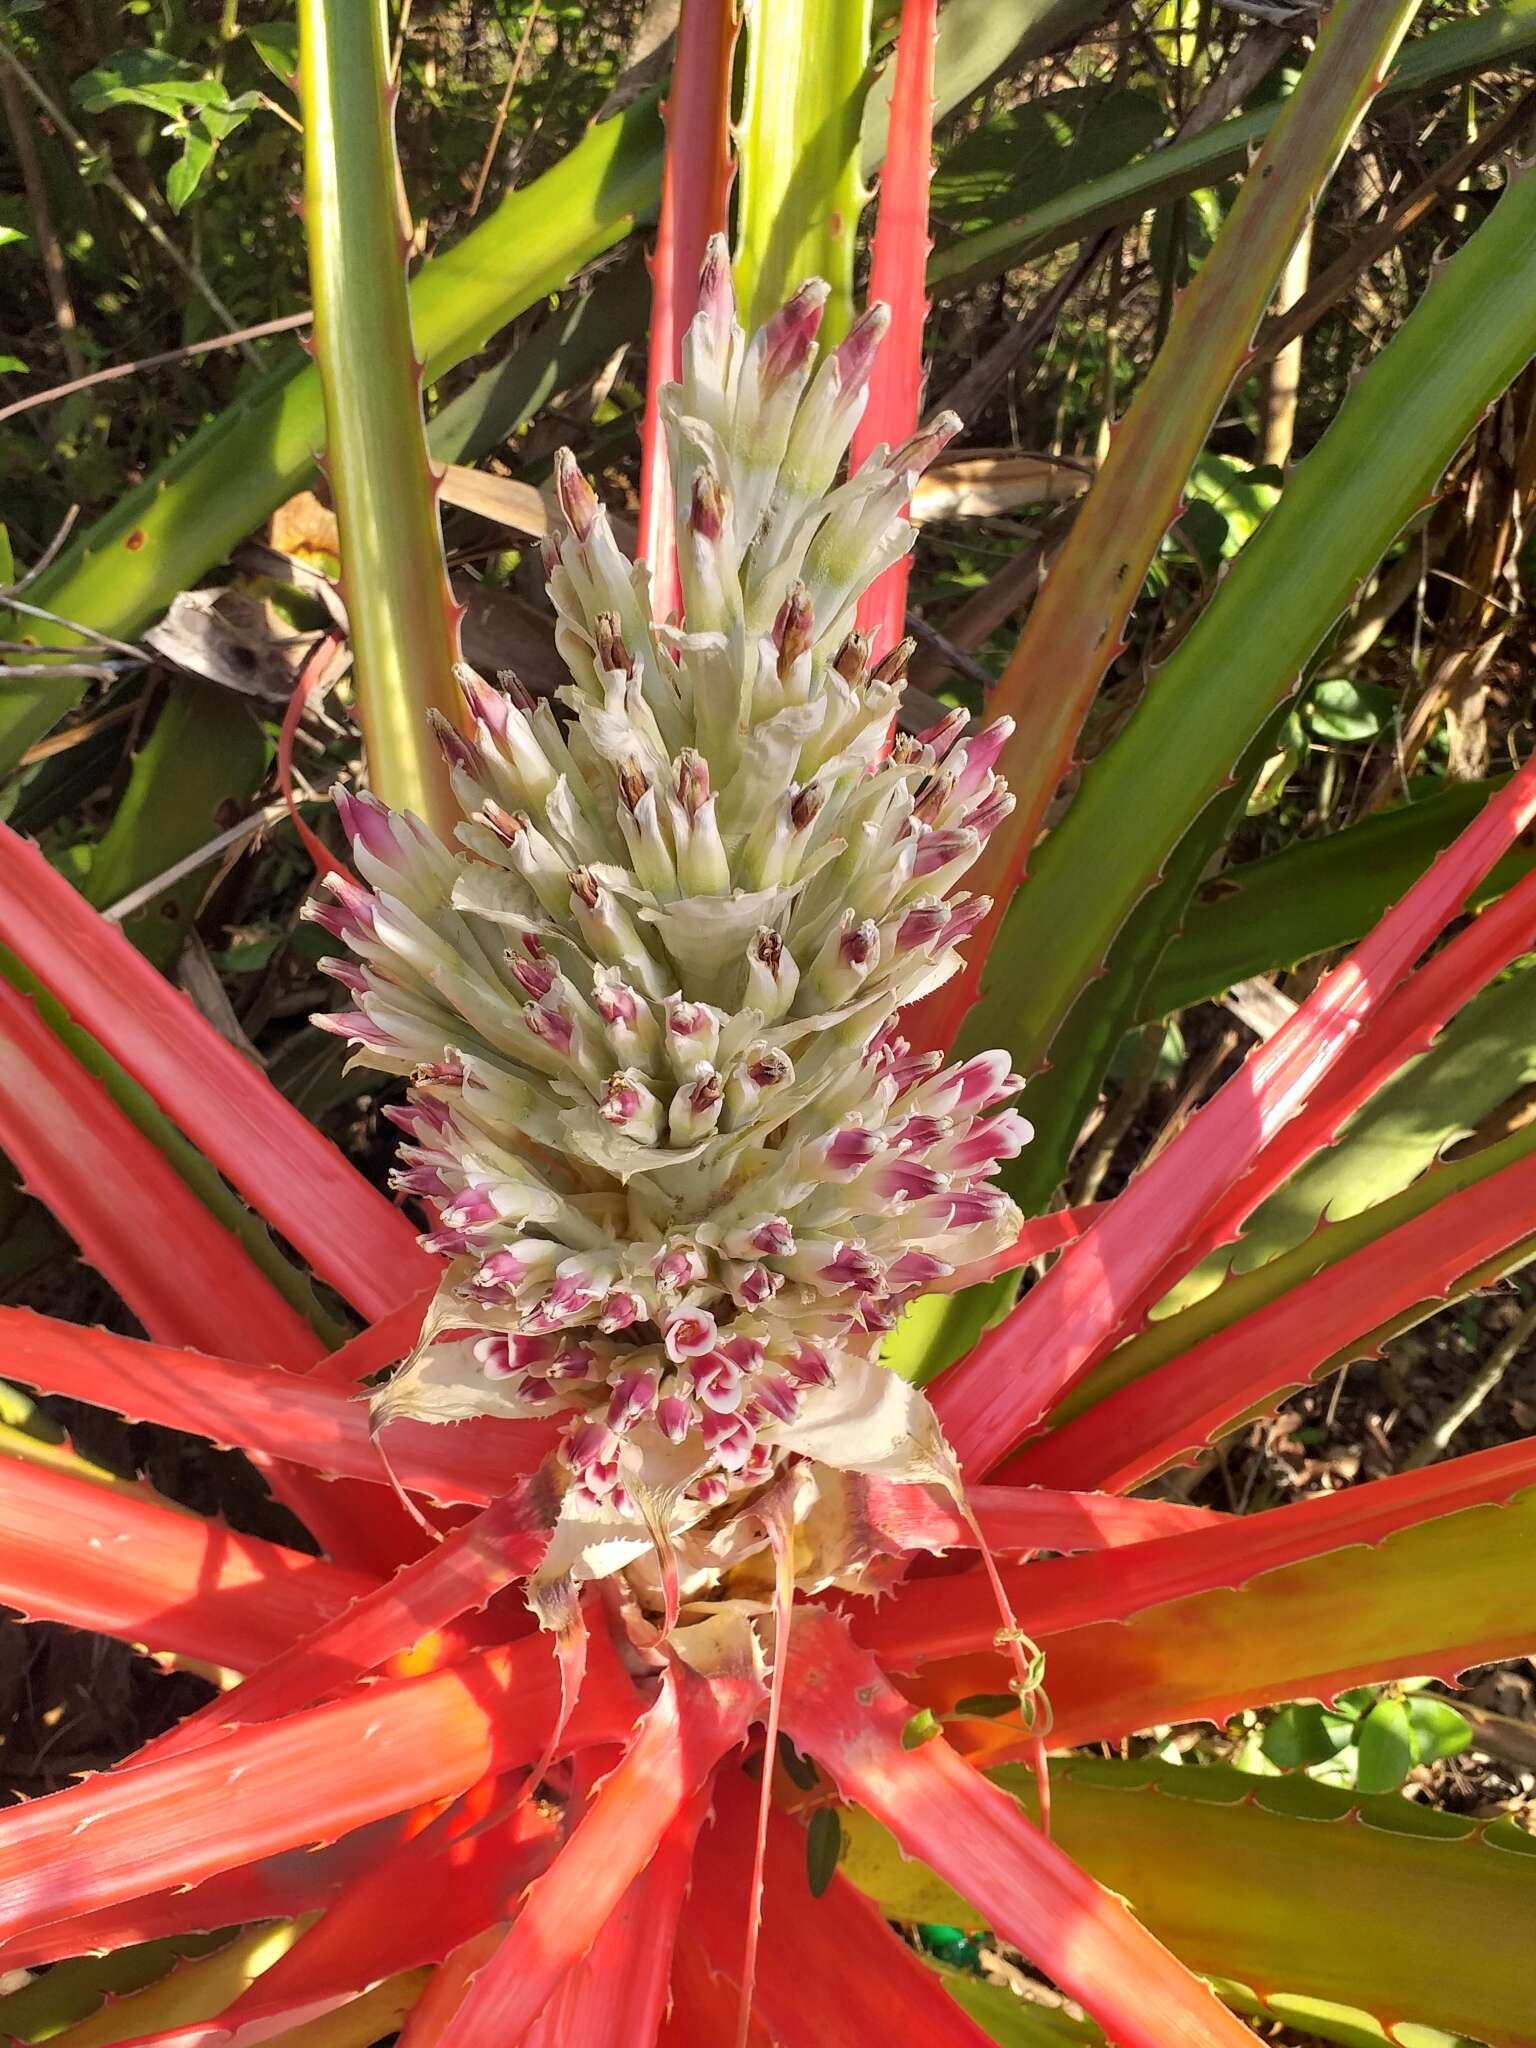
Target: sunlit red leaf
<point>258,1408</point>
<point>817,1956</point>
<point>615,1997</point>
<point>1407,1023</point>
<point>409,1908</point>
<point>1151,1422</point>
<point>1003,1389</point>
<point>423,1601</point>
<point>689,1727</point>
<point>186,1278</point>
<point>282,1887</point>
<point>695,184</point>
<point>281,1784</point>
<point>841,1710</point>
<point>130,1566</point>
<point>1021,1518</point>
<point>347,1231</point>
<point>899,259</point>
<point>950,1616</point>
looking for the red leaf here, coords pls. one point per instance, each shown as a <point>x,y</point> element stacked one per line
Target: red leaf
<point>840,1708</point>
<point>432,2022</point>
<point>127,1565</point>
<point>833,1954</point>
<point>1171,1413</point>
<point>412,1907</point>
<point>423,1599</point>
<point>382,1344</point>
<point>180,1271</point>
<point>281,1784</point>
<point>1021,1518</point>
<point>1408,1022</point>
<point>1040,1235</point>
<point>704,2003</point>
<point>949,1617</point>
<point>898,264</point>
<point>258,1408</point>
<point>615,1997</point>
<point>689,1727</point>
<point>275,1888</point>
<point>695,184</point>
<point>347,1231</point>
<point>1001,1392</point>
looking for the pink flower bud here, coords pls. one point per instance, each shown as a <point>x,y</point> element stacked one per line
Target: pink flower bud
<point>790,335</point>
<point>729,1438</point>
<point>674,1417</point>
<point>486,706</point>
<point>620,1310</point>
<point>634,1396</point>
<point>936,850</point>
<point>780,1397</point>
<point>578,501</point>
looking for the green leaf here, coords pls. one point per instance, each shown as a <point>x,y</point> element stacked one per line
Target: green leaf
<point>190,168</point>
<point>823,1849</point>
<point>8,235</point>
<point>1500,36</point>
<point>1438,1730</point>
<point>988,1706</point>
<point>1299,1737</point>
<point>204,757</point>
<point>1029,154</point>
<point>1472,332</point>
<point>276,43</point>
<point>923,1727</point>
<point>1014,2021</point>
<point>800,189</point>
<point>1316,894</point>
<point>1320,1897</point>
<point>1337,709</point>
<point>13,363</point>
<point>404,624</point>
<point>1385,1743</point>
<point>217,489</point>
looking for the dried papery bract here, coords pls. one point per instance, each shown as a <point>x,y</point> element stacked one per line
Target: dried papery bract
<point>685,1171</point>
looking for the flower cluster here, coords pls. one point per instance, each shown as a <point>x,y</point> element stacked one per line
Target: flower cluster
<point>685,1171</point>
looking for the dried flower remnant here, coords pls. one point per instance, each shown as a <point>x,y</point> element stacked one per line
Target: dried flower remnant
<point>686,1171</point>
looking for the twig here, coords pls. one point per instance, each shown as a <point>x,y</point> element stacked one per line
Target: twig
<point>42,215</point>
<point>10,602</point>
<point>236,835</point>
<point>1437,1438</point>
<point>1122,1113</point>
<point>971,392</point>
<point>50,554</point>
<point>501,112</point>
<point>948,653</point>
<point>285,325</point>
<point>1375,241</point>
<point>189,269</point>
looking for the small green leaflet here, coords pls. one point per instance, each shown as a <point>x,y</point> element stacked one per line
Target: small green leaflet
<point>823,1849</point>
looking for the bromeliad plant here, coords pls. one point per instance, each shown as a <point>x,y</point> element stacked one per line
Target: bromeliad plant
<point>539,1749</point>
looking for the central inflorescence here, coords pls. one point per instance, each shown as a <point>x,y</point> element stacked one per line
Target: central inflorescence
<point>686,1172</point>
